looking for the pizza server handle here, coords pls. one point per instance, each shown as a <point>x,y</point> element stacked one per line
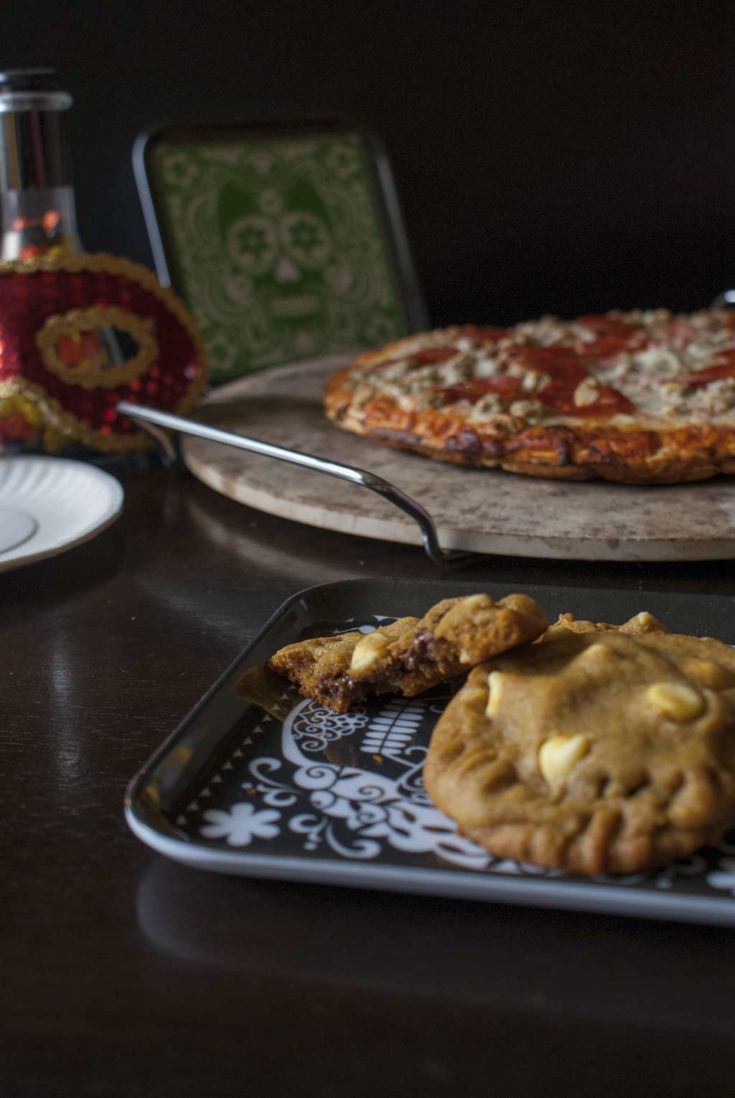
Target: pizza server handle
<point>156,423</point>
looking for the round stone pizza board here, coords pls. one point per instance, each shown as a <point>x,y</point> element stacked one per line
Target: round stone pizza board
<point>484,510</point>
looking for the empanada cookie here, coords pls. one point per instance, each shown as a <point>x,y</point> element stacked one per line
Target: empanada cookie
<point>599,750</point>
<point>412,654</point>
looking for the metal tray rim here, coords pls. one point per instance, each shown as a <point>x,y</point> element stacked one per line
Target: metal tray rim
<point>451,884</point>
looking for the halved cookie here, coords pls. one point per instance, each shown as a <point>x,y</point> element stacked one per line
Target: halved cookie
<point>412,654</point>
<point>598,751</point>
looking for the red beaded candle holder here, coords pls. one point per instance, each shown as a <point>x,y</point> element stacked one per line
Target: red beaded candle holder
<point>78,333</point>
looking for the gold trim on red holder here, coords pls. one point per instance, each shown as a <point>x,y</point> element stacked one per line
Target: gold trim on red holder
<point>94,374</point>
<point>97,372</point>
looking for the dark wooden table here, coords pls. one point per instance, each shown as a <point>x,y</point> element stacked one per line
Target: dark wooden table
<point>124,974</point>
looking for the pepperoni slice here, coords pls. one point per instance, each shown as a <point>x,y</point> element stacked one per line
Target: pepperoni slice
<point>429,356</point>
<point>507,388</point>
<point>559,397</point>
<point>613,335</point>
<point>566,370</point>
<point>562,364</point>
<point>722,367</point>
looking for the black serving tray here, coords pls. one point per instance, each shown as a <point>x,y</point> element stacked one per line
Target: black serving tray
<point>313,796</point>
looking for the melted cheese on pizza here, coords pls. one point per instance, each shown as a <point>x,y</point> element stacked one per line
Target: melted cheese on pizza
<point>620,368</point>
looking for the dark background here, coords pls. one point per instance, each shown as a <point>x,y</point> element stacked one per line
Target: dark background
<point>550,157</point>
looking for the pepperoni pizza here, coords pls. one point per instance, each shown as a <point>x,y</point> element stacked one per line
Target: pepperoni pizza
<point>637,397</point>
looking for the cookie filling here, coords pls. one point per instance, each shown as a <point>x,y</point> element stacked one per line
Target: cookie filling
<point>339,691</point>
<point>423,652</point>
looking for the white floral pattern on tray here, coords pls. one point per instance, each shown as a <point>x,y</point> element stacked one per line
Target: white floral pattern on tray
<point>351,810</point>
<point>241,824</point>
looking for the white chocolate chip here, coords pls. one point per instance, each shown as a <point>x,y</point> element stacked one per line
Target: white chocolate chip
<point>643,619</point>
<point>559,755</point>
<point>676,700</point>
<point>494,686</point>
<point>596,651</point>
<point>368,652</point>
<point>706,673</point>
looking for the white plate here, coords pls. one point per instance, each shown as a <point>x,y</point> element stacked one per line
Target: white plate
<point>48,505</point>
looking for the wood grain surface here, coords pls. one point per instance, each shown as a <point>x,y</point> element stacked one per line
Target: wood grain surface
<point>484,510</point>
